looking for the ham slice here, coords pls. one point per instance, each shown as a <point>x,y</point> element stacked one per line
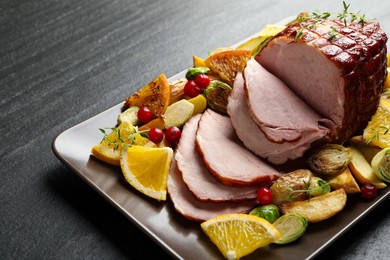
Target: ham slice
<point>253,138</point>
<point>199,180</point>
<point>280,114</point>
<point>226,157</point>
<point>190,207</point>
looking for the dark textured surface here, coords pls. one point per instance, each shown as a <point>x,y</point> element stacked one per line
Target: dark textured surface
<point>62,62</point>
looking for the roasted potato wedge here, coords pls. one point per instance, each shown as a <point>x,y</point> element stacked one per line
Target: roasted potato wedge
<point>318,208</point>
<point>368,150</point>
<point>362,170</point>
<point>343,180</point>
<point>296,180</point>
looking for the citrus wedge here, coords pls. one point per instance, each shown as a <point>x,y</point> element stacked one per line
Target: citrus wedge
<point>155,95</point>
<point>108,150</point>
<point>146,169</point>
<point>228,63</point>
<point>237,235</point>
<point>377,131</point>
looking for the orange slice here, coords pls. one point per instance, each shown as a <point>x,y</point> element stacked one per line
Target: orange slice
<point>155,95</point>
<point>228,63</point>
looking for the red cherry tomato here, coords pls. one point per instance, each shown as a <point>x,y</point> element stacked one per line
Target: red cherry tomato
<point>156,135</point>
<point>202,80</point>
<point>191,89</point>
<point>264,195</point>
<point>368,191</point>
<point>173,135</point>
<point>144,115</point>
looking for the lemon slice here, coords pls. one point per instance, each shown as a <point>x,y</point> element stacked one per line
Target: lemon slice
<point>108,150</point>
<point>377,131</point>
<point>237,235</point>
<point>146,169</point>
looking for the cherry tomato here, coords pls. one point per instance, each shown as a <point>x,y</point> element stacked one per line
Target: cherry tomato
<point>368,191</point>
<point>156,135</point>
<point>173,135</point>
<point>202,80</point>
<point>144,115</point>
<point>264,195</point>
<point>191,89</point>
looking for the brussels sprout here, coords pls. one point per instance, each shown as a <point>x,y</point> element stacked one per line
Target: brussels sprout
<point>329,159</point>
<point>291,227</point>
<point>268,212</point>
<point>217,94</point>
<point>318,187</point>
<point>381,164</point>
<point>291,187</point>
<point>193,72</point>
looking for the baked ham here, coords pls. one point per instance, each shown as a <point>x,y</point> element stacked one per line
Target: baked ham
<point>226,157</point>
<point>190,207</point>
<point>337,69</point>
<point>199,180</point>
<point>254,139</point>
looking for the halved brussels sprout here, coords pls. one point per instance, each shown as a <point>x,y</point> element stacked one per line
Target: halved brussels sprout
<point>329,159</point>
<point>291,227</point>
<point>318,187</point>
<point>268,212</point>
<point>217,94</point>
<point>193,72</point>
<point>381,164</point>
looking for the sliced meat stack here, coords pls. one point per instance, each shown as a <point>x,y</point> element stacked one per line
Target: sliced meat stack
<point>210,168</point>
<point>317,81</point>
<point>195,174</point>
<point>192,208</point>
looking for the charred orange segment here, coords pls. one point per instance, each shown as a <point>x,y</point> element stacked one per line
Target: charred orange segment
<point>155,95</point>
<point>228,63</point>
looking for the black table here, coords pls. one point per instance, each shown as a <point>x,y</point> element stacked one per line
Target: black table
<point>62,62</point>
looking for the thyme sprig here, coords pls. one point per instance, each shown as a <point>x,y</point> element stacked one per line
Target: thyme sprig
<point>323,185</point>
<point>318,17</point>
<point>377,133</point>
<point>125,141</point>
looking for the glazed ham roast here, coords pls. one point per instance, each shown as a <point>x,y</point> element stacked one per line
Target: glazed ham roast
<point>337,69</point>
<point>318,81</point>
